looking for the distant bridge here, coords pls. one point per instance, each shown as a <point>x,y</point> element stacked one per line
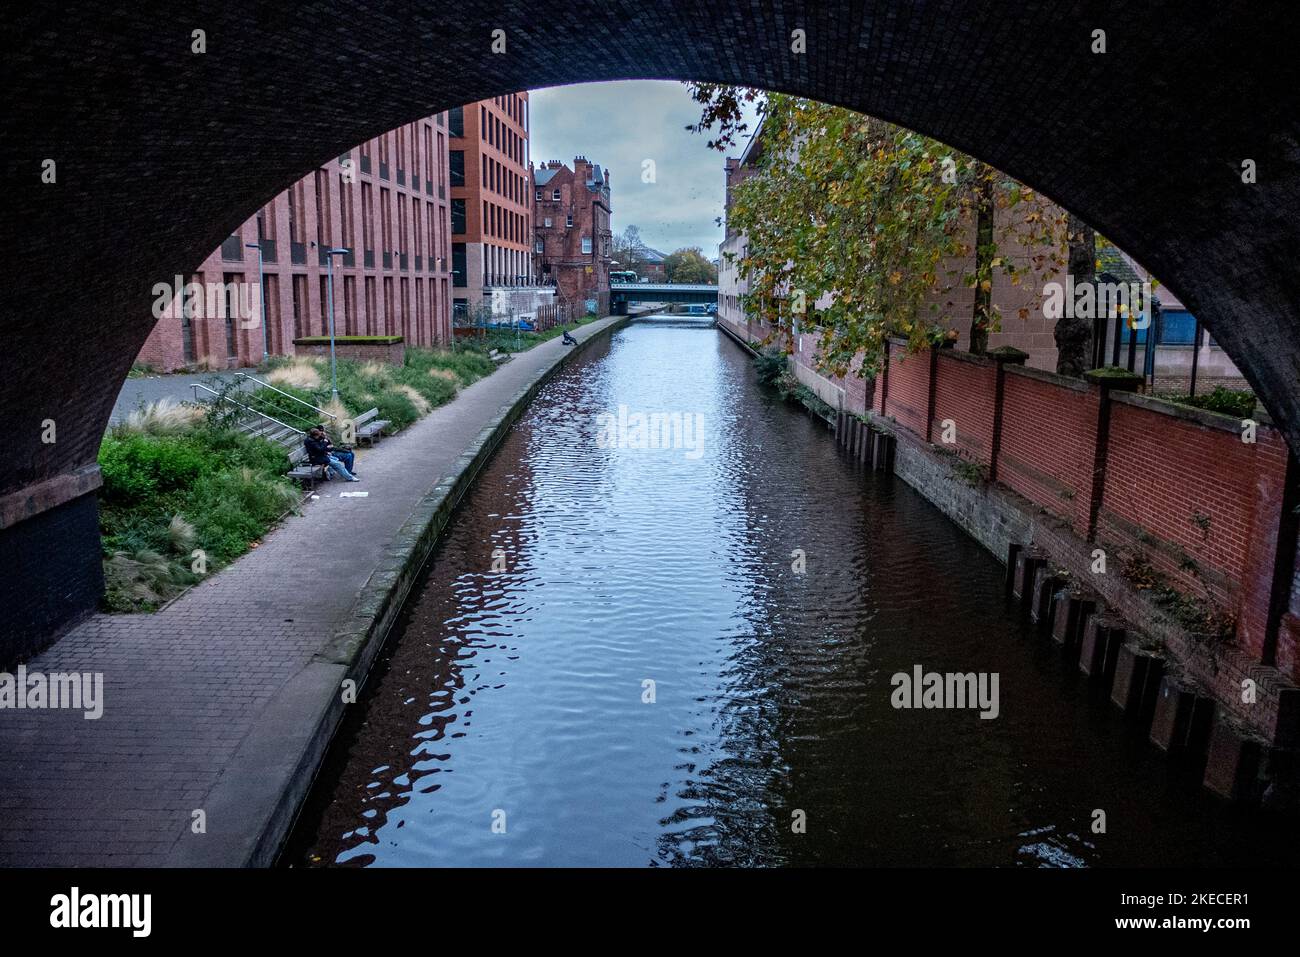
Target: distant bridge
<point>622,293</point>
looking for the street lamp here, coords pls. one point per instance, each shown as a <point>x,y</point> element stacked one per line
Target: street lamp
<point>329,268</point>
<point>261,298</point>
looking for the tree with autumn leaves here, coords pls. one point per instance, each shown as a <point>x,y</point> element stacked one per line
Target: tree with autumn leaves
<point>858,229</point>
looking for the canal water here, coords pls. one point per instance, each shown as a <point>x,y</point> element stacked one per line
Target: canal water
<point>635,656</point>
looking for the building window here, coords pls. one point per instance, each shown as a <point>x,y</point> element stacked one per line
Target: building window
<point>458,215</point>
<point>555,195</point>
<point>456,164</point>
<point>458,277</point>
<point>546,221</point>
<point>539,194</point>
<point>568,219</point>
<point>586,245</point>
<point>540,247</point>
<point>456,121</point>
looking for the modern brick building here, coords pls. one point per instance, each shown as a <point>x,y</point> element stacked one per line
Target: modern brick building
<point>386,202</point>
<point>492,213</point>
<point>572,241</point>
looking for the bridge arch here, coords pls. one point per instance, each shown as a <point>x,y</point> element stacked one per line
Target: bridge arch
<point>161,150</point>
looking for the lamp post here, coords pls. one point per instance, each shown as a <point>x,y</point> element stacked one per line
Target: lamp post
<point>261,298</point>
<point>329,268</point>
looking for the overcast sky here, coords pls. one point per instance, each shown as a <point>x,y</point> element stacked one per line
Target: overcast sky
<point>620,125</point>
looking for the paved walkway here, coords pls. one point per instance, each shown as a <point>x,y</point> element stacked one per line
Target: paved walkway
<point>184,688</point>
<point>145,389</point>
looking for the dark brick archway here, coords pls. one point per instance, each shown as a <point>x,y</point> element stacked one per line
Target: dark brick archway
<point>161,152</point>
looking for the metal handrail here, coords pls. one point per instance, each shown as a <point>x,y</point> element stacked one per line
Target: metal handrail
<point>267,385</point>
<point>225,398</point>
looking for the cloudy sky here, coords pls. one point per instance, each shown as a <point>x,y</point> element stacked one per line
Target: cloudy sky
<point>620,125</point>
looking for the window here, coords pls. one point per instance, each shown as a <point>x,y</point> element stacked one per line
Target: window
<point>456,121</point>
<point>546,221</point>
<point>555,195</point>
<point>538,197</point>
<point>458,277</point>
<point>586,245</point>
<point>568,219</point>
<point>539,247</point>
<point>457,215</point>
<point>457,167</point>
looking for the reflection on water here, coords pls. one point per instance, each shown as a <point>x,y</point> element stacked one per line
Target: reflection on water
<point>612,661</point>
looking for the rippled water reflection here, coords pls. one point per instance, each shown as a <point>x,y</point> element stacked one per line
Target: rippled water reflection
<point>521,691</point>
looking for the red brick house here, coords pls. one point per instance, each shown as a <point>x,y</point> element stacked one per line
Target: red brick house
<point>572,239</point>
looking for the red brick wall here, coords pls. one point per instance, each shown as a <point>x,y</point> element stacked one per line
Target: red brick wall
<point>964,391</point>
<point>909,387</point>
<point>394,353</point>
<point>1048,442</point>
<point>1164,474</point>
<point>1179,486</point>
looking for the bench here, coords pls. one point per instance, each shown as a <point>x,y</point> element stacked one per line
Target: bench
<point>368,427</point>
<point>497,356</point>
<point>303,471</point>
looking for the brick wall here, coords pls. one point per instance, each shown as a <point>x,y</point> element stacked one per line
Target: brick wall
<point>1173,486</point>
<point>1197,503</point>
<point>1049,434</point>
<point>906,393</point>
<point>394,353</point>
<point>964,392</point>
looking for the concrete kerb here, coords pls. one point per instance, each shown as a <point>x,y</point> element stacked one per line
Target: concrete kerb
<point>253,806</point>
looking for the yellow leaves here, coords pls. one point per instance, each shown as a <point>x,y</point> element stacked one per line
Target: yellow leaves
<point>895,278</point>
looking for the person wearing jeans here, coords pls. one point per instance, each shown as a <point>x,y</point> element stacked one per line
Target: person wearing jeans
<point>320,451</point>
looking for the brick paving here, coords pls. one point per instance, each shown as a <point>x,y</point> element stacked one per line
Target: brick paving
<point>183,687</point>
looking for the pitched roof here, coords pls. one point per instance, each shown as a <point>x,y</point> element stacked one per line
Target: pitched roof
<point>545,175</point>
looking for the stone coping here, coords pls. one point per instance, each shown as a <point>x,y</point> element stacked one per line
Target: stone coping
<point>1188,413</point>
<point>57,490</point>
<point>1042,375</point>
<point>348,340</point>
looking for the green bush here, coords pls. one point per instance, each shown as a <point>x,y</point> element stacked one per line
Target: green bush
<point>770,365</point>
<point>228,485</point>
<point>231,508</point>
<point>136,466</point>
<point>1240,404</point>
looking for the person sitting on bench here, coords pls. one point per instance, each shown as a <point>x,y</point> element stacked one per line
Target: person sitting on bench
<point>568,339</point>
<point>320,451</point>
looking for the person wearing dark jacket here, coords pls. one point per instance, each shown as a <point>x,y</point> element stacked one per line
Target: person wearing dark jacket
<point>320,451</point>
<point>568,340</point>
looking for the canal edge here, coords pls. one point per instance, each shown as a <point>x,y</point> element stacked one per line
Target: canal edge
<point>252,808</point>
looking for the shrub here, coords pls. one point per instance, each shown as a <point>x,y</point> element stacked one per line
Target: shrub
<point>136,465</point>
<point>163,495</point>
<point>298,374</point>
<point>770,365</point>
<point>164,417</point>
<point>232,508</point>
<point>1240,404</point>
<point>141,579</point>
